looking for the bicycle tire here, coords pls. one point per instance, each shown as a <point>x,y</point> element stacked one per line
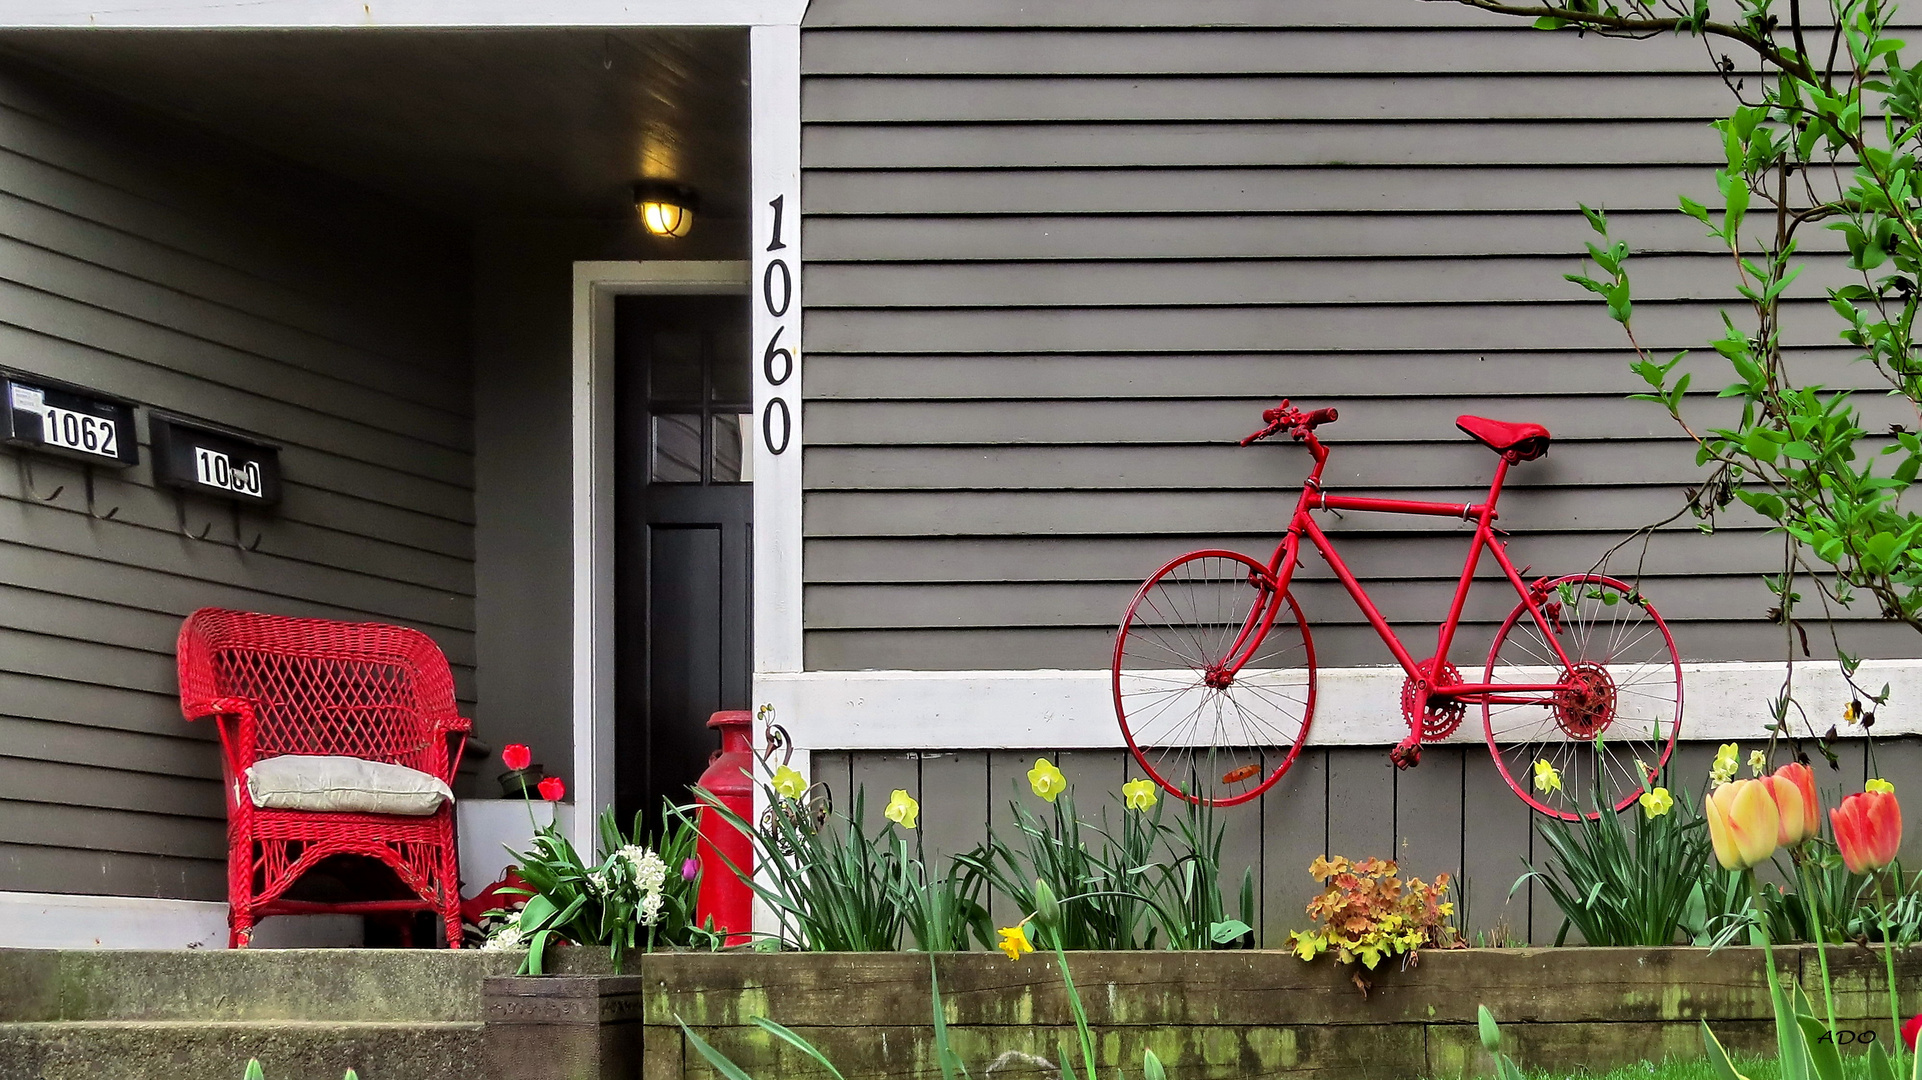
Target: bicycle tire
<point>1200,738</point>
<point>1636,659</point>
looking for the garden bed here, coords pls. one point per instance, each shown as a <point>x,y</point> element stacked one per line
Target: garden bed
<point>1212,1015</point>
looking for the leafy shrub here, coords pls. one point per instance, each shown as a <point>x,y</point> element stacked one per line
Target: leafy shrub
<point>1367,912</point>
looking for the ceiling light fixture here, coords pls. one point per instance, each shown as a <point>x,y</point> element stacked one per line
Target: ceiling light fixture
<point>667,209</point>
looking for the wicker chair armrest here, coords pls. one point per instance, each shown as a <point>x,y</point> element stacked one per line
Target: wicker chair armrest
<point>457,725</point>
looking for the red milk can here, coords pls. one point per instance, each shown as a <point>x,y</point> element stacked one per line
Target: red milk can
<point>723,894</point>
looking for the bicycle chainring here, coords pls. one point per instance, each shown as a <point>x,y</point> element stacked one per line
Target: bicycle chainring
<point>1440,716</point>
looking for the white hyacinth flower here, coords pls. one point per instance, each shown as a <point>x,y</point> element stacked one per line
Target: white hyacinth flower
<point>650,872</point>
<point>651,905</point>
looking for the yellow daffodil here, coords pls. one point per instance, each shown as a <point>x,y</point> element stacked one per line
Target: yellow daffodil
<point>789,783</point>
<point>1138,794</point>
<point>1881,785</point>
<point>902,808</point>
<point>1046,780</point>
<point>1758,762</point>
<point>1724,768</point>
<point>1656,802</point>
<point>1014,940</point>
<point>1546,778</point>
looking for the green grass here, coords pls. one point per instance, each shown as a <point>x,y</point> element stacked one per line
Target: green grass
<point>1855,1066</point>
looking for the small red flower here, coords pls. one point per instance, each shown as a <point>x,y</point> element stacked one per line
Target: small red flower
<point>1909,1030</point>
<point>516,756</point>
<point>552,789</point>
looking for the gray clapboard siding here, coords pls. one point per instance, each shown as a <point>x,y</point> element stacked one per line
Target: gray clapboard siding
<point>1361,98</point>
<point>1255,377</point>
<point>1326,189</point>
<point>1494,45</point>
<point>149,260</point>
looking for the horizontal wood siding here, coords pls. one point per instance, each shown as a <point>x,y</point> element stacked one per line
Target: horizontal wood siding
<point>149,261</point>
<point>1454,814</point>
<point>1060,255</point>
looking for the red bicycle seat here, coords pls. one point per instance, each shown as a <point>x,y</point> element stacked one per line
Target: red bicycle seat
<point>1526,441</point>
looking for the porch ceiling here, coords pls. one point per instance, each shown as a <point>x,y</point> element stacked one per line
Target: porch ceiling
<point>466,125</point>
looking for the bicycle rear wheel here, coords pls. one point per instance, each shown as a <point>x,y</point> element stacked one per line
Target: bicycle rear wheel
<point>1616,720</point>
<point>1202,730</point>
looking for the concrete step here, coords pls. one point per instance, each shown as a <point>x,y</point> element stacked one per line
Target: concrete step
<point>309,985</point>
<point>218,1050</point>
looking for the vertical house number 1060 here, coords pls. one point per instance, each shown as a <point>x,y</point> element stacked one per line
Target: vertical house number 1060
<point>777,360</point>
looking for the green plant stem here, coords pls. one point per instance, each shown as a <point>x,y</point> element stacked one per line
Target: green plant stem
<point>1888,958</point>
<point>1784,1049</point>
<point>1817,934</point>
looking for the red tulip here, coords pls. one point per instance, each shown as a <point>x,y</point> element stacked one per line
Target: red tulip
<point>1804,780</point>
<point>516,756</point>
<point>553,789</point>
<point>1868,829</point>
<point>1909,1030</point>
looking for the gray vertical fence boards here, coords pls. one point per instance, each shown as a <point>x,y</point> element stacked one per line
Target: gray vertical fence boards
<point>140,258</point>
<point>1061,256</point>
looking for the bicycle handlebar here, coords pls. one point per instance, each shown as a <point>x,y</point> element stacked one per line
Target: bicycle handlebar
<point>1298,424</point>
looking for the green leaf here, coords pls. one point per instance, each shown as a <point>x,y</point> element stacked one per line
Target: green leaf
<point>943,1049</point>
<point>1151,1067</point>
<point>1879,1067</point>
<point>1597,219</point>
<point>1697,211</point>
<point>253,1070</point>
<point>1825,1061</point>
<point>801,1044</point>
<point>1718,1058</point>
<point>721,1062</point>
<point>1549,22</point>
<point>1221,933</point>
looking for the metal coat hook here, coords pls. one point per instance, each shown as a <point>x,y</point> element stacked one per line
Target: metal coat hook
<point>108,516</point>
<point>180,508</point>
<point>26,477</point>
<point>258,536</point>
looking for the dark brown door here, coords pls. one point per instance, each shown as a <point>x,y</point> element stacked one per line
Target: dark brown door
<point>682,537</point>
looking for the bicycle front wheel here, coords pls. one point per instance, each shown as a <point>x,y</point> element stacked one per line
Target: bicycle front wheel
<point>1595,741</point>
<point>1214,678</point>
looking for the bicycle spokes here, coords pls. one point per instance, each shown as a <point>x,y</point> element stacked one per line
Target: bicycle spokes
<point>1214,678</point>
<point>1612,717</point>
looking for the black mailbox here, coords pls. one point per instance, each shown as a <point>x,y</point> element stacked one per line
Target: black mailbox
<point>70,421</point>
<point>210,461</point>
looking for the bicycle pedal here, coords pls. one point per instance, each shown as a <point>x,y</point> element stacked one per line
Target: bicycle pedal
<point>1405,755</point>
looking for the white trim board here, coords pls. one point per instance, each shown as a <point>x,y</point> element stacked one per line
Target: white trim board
<point>596,284</point>
<point>375,14</point>
<point>1073,710</point>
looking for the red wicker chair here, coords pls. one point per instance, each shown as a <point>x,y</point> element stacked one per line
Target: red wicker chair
<point>278,685</point>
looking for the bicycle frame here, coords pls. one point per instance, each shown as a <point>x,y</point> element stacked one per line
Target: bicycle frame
<point>1286,557</point>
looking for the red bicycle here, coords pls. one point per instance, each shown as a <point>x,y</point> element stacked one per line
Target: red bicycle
<point>1214,667</point>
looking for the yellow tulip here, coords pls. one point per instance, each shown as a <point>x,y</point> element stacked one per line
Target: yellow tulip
<point>1014,941</point>
<point>789,783</point>
<point>902,808</point>
<point>1881,785</point>
<point>1046,780</point>
<point>1743,823</point>
<point>1656,802</point>
<point>1138,794</point>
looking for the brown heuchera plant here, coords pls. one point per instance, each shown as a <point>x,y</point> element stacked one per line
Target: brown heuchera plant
<point>1366,911</point>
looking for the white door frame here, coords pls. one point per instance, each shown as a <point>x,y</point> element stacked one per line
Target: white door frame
<point>596,285</point>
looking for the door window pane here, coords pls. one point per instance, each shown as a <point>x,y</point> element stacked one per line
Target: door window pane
<point>732,366</point>
<point>731,460</point>
<point>674,365</point>
<point>676,450</point>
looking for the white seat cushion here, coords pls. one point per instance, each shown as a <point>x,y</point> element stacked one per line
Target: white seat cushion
<point>343,785</point>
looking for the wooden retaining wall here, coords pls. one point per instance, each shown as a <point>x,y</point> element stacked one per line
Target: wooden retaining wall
<point>1207,1016</point>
